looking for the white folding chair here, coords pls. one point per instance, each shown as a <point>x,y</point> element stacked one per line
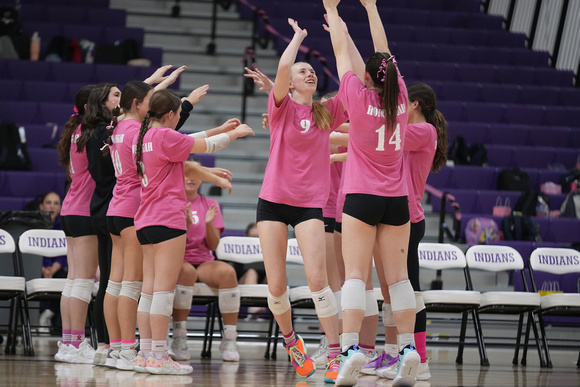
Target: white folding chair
<point>556,261</point>
<point>442,256</point>
<point>498,258</point>
<point>13,289</point>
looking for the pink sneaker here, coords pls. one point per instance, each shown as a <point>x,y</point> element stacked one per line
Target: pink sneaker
<point>166,366</point>
<point>140,363</point>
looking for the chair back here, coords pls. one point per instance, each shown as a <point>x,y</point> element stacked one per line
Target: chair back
<point>7,244</point>
<point>494,258</point>
<point>440,256</point>
<point>293,254</point>
<point>555,260</point>
<point>240,249</point>
<point>47,243</point>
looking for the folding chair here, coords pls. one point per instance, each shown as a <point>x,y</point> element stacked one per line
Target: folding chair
<point>13,289</point>
<point>442,256</point>
<point>557,261</point>
<point>496,258</point>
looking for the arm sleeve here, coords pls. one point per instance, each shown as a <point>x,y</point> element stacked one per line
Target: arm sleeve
<point>186,108</point>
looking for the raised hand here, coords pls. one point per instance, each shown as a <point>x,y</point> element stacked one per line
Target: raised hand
<point>230,124</point>
<point>220,172</point>
<point>171,78</point>
<point>342,23</point>
<point>211,213</point>
<point>264,83</point>
<point>196,95</point>
<point>297,30</point>
<point>265,121</point>
<point>225,184</point>
<point>243,130</point>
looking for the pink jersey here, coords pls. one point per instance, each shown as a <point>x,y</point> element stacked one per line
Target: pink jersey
<point>128,187</point>
<point>420,147</point>
<point>298,170</point>
<point>163,182</point>
<point>375,153</point>
<point>78,197</point>
<point>196,250</point>
<point>329,211</point>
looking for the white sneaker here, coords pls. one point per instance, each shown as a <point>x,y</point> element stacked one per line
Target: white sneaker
<point>321,354</point>
<point>85,354</point>
<point>388,372</point>
<point>45,318</point>
<point>126,360</point>
<point>63,350</point>
<point>112,357</point>
<point>423,372</point>
<point>100,356</point>
<point>178,349</point>
<point>409,361</point>
<point>228,347</point>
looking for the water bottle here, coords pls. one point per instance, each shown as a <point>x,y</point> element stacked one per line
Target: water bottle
<point>35,47</point>
<point>22,134</point>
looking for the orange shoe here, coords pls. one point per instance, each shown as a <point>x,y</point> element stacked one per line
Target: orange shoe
<point>332,370</point>
<point>303,365</point>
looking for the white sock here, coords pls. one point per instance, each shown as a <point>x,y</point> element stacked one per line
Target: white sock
<point>348,339</point>
<point>404,339</point>
<point>392,349</point>
<point>230,330</point>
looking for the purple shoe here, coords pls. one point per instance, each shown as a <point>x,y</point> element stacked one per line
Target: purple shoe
<point>384,360</point>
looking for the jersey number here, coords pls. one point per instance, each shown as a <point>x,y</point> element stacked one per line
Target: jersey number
<point>144,179</point>
<point>394,140</point>
<point>117,163</point>
<point>305,125</point>
<point>194,217</point>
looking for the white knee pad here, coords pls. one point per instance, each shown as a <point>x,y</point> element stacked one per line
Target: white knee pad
<point>325,303</point>
<point>229,300</point>
<point>402,296</point>
<point>113,288</point>
<point>388,318</point>
<point>353,295</point>
<point>162,303</point>
<point>131,289</point>
<point>68,284</point>
<point>82,289</point>
<point>337,297</point>
<point>371,305</point>
<point>278,305</point>
<point>183,297</point>
<point>419,301</point>
<point>144,303</point>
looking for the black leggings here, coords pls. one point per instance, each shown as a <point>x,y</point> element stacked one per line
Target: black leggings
<point>105,251</point>
<point>417,234</point>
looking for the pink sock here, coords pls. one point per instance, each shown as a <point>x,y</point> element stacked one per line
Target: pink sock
<point>368,349</point>
<point>421,345</point>
<point>66,336</point>
<point>334,350</point>
<point>77,337</point>
<point>290,338</point>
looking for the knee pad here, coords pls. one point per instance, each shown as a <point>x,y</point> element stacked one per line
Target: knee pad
<point>131,289</point>
<point>229,300</point>
<point>113,288</point>
<point>278,305</point>
<point>325,303</point>
<point>402,296</point>
<point>337,297</point>
<point>371,305</point>
<point>82,288</point>
<point>162,303</point>
<point>388,318</point>
<point>353,295</point>
<point>145,303</point>
<point>68,284</point>
<point>183,297</point>
<point>420,304</point>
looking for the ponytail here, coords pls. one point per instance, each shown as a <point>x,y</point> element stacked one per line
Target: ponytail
<point>321,116</point>
<point>64,144</point>
<point>382,69</point>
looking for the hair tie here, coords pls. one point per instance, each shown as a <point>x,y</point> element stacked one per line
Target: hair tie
<point>76,112</point>
<point>105,145</point>
<point>151,113</point>
<point>111,125</point>
<point>383,67</point>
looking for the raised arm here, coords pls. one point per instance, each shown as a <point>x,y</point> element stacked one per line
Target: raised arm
<point>338,38</point>
<point>376,25</point>
<point>220,141</point>
<point>358,64</point>
<point>282,82</point>
<point>170,79</point>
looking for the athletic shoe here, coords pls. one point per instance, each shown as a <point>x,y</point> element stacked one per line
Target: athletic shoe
<point>126,359</point>
<point>228,347</point>
<point>352,362</point>
<point>390,369</point>
<point>100,356</point>
<point>166,366</point>
<point>178,349</point>
<point>372,366</point>
<point>140,363</point>
<point>423,372</point>
<point>332,370</point>
<point>84,354</point>
<point>112,357</point>
<point>409,361</point>
<point>321,354</point>
<point>303,365</point>
<point>63,350</point>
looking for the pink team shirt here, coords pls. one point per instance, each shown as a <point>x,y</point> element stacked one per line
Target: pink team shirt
<point>163,183</point>
<point>335,180</point>
<point>196,250</point>
<point>128,187</point>
<point>375,154</point>
<point>78,198</point>
<point>298,170</point>
<point>420,147</point>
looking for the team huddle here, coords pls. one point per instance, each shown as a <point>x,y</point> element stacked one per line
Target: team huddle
<point>347,172</point>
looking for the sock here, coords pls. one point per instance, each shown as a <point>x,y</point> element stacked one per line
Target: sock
<point>230,331</point>
<point>349,339</point>
<point>158,347</point>
<point>421,345</point>
<point>179,328</point>
<point>392,349</point>
<point>115,344</point>
<point>404,339</point>
<point>66,336</point>
<point>76,338</point>
<point>128,344</point>
<point>290,338</point>
<point>334,350</point>
<point>368,350</point>
<point>145,345</point>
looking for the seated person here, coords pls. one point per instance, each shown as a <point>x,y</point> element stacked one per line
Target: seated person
<point>200,265</point>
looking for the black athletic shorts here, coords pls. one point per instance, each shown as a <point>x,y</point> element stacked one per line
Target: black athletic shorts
<point>286,214</point>
<point>329,224</point>
<point>338,227</point>
<point>157,234</point>
<point>373,209</point>
<point>116,224</point>
<point>77,226</point>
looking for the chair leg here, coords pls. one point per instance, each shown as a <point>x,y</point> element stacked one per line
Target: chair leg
<point>484,361</point>
<point>459,359</point>
<point>11,336</point>
<point>270,338</point>
<point>275,344</point>
<point>204,354</point>
<point>518,340</point>
<point>526,340</point>
<point>577,363</point>
<point>211,329</point>
<point>27,323</point>
<point>543,338</point>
